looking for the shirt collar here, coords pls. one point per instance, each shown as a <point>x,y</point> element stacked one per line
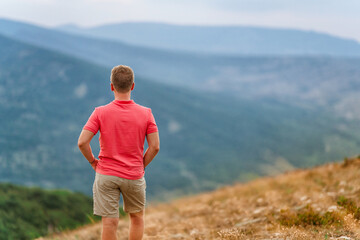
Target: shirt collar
<point>118,102</point>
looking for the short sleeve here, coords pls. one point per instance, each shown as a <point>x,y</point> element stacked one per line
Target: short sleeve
<point>151,124</point>
<point>93,123</point>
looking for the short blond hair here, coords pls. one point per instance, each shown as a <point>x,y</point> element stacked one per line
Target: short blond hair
<point>122,77</point>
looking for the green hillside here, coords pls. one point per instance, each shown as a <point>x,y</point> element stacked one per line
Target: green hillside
<point>206,140</point>
<point>27,213</point>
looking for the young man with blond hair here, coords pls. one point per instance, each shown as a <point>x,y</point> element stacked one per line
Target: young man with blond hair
<point>120,169</point>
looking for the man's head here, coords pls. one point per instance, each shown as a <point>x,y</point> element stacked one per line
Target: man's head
<point>122,78</point>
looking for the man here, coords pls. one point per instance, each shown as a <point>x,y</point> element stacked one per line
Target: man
<point>123,126</point>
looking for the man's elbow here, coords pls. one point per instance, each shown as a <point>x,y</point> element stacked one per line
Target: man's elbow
<point>81,144</point>
<point>156,148</point>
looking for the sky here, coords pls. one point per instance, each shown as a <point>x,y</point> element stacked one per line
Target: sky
<point>336,17</point>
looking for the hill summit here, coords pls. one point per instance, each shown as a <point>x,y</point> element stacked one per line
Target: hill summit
<point>318,203</point>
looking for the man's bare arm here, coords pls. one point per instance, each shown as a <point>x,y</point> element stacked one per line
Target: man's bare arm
<point>153,149</point>
<point>85,148</point>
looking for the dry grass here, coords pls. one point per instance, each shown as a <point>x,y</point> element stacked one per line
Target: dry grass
<point>319,203</point>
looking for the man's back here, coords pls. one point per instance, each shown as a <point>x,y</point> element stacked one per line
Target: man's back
<point>123,126</point>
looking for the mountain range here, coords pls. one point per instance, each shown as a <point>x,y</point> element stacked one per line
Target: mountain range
<point>306,80</point>
<point>225,40</point>
<point>50,82</point>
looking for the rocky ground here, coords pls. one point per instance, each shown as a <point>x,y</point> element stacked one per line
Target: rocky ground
<point>318,203</point>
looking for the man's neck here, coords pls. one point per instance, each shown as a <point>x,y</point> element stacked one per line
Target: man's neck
<point>122,96</point>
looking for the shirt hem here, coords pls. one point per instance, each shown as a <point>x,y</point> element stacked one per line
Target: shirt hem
<point>126,176</point>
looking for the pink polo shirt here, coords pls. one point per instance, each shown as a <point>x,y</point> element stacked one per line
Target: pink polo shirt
<point>123,126</point>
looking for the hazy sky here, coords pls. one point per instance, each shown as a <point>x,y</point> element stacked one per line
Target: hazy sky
<point>338,17</point>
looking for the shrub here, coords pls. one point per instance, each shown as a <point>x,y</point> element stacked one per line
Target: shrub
<point>308,217</point>
<point>349,206</point>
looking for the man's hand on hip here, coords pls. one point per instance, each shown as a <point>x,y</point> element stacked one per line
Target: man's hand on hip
<point>94,164</point>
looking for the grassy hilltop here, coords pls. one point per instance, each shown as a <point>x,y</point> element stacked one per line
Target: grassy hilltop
<point>318,203</point>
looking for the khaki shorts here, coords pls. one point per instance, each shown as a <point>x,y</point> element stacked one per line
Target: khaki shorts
<point>106,194</point>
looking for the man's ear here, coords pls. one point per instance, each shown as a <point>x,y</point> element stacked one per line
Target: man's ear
<point>132,86</point>
<point>112,86</point>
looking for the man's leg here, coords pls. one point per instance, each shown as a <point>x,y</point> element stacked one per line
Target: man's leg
<point>109,227</point>
<point>136,225</point>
